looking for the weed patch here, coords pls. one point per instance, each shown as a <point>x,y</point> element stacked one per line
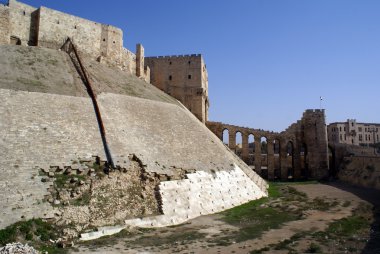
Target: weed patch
<point>35,232</point>
<point>253,219</point>
<point>180,238</point>
<point>348,226</point>
<point>314,248</point>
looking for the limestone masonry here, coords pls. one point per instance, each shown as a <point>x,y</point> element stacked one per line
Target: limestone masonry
<point>73,100</point>
<point>50,128</point>
<point>183,77</point>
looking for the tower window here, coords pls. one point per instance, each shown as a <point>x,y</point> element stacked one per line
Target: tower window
<point>170,77</point>
<point>189,62</point>
<point>170,63</point>
<point>189,76</point>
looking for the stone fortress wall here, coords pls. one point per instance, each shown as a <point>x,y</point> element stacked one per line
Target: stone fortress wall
<point>25,25</point>
<point>183,77</point>
<point>164,136</point>
<point>51,128</point>
<point>361,171</point>
<point>300,152</point>
<point>357,165</point>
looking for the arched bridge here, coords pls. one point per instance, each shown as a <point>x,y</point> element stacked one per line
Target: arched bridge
<point>299,152</point>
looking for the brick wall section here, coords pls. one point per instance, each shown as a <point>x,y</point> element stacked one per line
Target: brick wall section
<point>50,28</point>
<point>362,171</point>
<point>21,21</point>
<point>56,26</point>
<point>4,24</point>
<point>40,130</point>
<point>166,137</point>
<point>163,135</point>
<point>90,37</point>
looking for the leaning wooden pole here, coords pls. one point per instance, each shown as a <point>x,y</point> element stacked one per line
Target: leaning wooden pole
<point>69,46</point>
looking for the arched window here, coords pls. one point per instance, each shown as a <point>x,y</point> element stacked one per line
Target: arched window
<point>289,159</point>
<point>239,143</point>
<point>226,137</point>
<point>264,157</point>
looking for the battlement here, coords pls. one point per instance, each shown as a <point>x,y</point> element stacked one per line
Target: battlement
<point>314,111</point>
<point>174,56</point>
<point>185,78</point>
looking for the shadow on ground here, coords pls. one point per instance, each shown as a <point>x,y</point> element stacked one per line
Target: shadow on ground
<point>372,196</point>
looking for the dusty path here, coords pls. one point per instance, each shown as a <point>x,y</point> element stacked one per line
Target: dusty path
<point>314,221</point>
<point>210,226</point>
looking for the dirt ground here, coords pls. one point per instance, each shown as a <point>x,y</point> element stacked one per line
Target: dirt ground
<point>311,231</point>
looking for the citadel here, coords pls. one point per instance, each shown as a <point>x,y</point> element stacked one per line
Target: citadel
<point>90,101</point>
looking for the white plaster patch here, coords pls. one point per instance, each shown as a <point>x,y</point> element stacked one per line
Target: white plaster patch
<point>201,194</point>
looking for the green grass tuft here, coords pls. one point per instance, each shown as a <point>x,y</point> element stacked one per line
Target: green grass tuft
<point>35,232</point>
<point>253,219</point>
<point>348,226</point>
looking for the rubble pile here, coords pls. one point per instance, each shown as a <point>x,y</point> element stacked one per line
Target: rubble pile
<point>17,248</point>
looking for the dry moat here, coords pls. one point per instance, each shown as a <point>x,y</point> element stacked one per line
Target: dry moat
<point>304,217</point>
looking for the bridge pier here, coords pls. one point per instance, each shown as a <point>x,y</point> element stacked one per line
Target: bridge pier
<point>270,159</point>
<point>283,162</point>
<point>245,151</point>
<point>258,154</point>
<point>232,139</point>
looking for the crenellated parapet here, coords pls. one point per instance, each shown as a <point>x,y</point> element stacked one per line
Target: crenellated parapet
<point>185,78</point>
<point>176,56</point>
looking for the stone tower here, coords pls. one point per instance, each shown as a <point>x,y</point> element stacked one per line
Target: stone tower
<point>183,77</point>
<point>315,137</point>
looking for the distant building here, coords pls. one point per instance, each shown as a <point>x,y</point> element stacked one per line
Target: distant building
<point>353,133</point>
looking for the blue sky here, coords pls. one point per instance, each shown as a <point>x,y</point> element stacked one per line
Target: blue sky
<point>268,60</point>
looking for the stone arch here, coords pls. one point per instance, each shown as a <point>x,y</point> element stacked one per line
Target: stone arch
<point>251,149</point>
<point>238,143</point>
<point>226,136</point>
<point>264,156</point>
<point>290,159</point>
